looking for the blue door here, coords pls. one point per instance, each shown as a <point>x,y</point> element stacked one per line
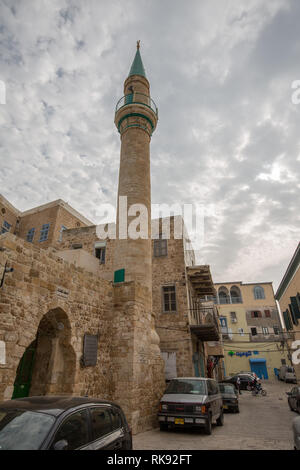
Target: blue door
<point>259,366</point>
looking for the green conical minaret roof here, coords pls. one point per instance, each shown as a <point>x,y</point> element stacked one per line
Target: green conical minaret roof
<point>137,67</point>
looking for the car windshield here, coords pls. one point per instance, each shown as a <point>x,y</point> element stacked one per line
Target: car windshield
<point>23,430</point>
<point>226,389</point>
<point>290,369</point>
<point>187,386</point>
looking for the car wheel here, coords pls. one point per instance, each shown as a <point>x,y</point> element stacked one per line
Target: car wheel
<point>220,420</point>
<point>163,426</point>
<point>208,426</point>
<point>264,393</point>
<point>237,410</point>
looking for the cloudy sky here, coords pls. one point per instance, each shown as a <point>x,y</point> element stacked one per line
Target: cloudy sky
<point>221,73</point>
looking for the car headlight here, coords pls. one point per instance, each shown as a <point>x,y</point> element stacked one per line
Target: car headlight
<point>164,407</point>
<point>200,409</point>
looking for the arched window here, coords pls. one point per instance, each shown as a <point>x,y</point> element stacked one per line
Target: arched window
<point>236,296</point>
<point>223,295</point>
<point>259,292</point>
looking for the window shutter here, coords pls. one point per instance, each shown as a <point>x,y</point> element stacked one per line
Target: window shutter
<point>295,309</point>
<point>267,313</point>
<point>252,314</point>
<point>259,314</point>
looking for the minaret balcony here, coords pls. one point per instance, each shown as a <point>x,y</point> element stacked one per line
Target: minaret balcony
<point>137,98</point>
<point>136,110</point>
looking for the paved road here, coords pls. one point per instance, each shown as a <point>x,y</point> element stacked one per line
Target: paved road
<point>263,423</point>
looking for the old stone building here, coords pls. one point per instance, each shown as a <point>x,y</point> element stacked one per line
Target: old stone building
<point>288,296</point>
<point>251,328</point>
<point>84,315</point>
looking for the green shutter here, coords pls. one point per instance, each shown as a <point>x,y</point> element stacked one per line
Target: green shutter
<point>119,276</point>
<point>294,310</point>
<point>295,301</point>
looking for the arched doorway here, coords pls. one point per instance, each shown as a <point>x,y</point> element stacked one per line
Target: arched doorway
<point>48,364</point>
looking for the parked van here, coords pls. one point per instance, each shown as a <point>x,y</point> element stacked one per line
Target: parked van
<point>287,374</point>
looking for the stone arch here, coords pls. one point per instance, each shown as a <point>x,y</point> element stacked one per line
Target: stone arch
<point>235,294</point>
<point>223,295</point>
<point>54,367</point>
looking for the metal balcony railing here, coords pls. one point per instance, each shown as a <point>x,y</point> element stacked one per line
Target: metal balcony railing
<point>137,98</point>
<point>199,316</point>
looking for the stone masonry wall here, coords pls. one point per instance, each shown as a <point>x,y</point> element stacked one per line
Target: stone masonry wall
<point>42,282</point>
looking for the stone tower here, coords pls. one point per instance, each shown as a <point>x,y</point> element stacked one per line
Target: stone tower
<point>137,367</point>
<point>136,118</point>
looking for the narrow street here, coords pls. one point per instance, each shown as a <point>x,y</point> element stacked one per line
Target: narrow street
<point>264,423</point>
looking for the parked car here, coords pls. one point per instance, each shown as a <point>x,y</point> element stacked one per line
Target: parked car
<point>249,373</point>
<point>287,374</point>
<point>191,402</point>
<point>294,399</point>
<point>246,379</point>
<point>63,423</point>
<point>230,397</point>
<point>296,431</point>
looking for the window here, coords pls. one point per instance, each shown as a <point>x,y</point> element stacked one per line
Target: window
<point>235,293</point>
<point>160,247</point>
<point>74,430</point>
<point>169,299</point>
<point>61,231</point>
<point>44,233</point>
<point>267,313</point>
<point>276,330</point>
<point>223,295</point>
<point>256,314</point>
<point>233,317</point>
<point>100,254</point>
<point>259,292</point>
<point>253,331</point>
<point>283,362</point>
<point>5,227</point>
<point>30,235</point>
<point>100,248</point>
<point>101,422</point>
<point>115,419</point>
<point>265,330</point>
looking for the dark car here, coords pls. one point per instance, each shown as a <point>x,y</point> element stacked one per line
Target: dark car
<point>294,399</point>
<point>296,432</point>
<point>191,402</point>
<point>63,423</point>
<point>246,380</point>
<point>230,397</point>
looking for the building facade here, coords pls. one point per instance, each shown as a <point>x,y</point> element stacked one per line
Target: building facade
<point>251,328</point>
<point>288,296</point>
<point>85,315</point>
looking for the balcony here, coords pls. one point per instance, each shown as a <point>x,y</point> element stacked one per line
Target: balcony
<point>137,98</point>
<point>204,323</point>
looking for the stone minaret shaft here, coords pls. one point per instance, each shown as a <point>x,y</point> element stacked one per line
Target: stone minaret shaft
<point>136,119</point>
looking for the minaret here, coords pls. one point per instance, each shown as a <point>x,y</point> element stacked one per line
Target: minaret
<point>137,379</point>
<point>136,118</point>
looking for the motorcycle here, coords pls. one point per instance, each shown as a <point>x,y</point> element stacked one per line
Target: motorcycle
<point>257,389</point>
